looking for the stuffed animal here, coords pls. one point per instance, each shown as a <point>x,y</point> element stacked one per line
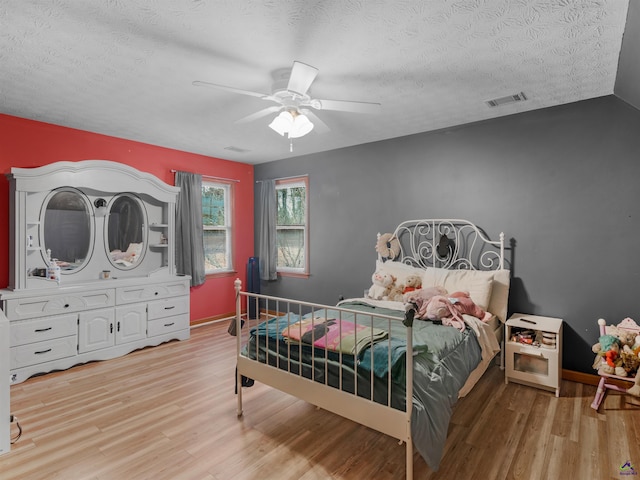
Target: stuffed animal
<point>420,298</point>
<point>630,361</point>
<point>411,283</point>
<point>450,309</point>
<point>636,346</point>
<point>465,305</point>
<point>394,292</point>
<point>382,283</point>
<point>608,349</point>
<point>627,339</point>
<point>441,308</point>
<point>388,246</point>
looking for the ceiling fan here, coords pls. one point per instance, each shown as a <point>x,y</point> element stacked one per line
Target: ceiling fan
<point>290,92</point>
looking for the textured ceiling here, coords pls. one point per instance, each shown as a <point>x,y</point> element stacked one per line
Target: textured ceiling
<point>125,67</point>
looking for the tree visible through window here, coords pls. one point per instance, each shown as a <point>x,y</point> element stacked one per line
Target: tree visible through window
<point>291,225</point>
<point>216,221</point>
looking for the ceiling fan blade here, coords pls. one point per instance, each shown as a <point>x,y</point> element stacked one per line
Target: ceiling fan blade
<point>347,106</point>
<point>318,124</point>
<point>198,83</point>
<point>259,114</point>
<point>302,76</point>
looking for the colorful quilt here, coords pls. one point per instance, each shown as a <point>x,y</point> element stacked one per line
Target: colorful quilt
<point>334,334</point>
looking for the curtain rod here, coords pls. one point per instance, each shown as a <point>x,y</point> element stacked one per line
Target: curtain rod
<point>285,178</point>
<point>212,177</point>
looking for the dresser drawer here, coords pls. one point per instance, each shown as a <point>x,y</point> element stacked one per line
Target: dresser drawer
<point>167,325</point>
<point>29,331</point>
<point>154,291</point>
<point>40,306</point>
<point>42,352</point>
<point>167,308</point>
<point>533,365</point>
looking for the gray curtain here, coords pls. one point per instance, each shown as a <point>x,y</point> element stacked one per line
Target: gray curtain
<point>267,246</point>
<point>189,231</point>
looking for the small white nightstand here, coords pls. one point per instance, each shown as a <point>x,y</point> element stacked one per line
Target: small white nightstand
<point>533,351</point>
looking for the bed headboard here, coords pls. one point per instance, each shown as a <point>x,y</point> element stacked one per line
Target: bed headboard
<point>452,244</point>
<point>439,245</point>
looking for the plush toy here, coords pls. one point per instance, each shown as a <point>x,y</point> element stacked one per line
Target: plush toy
<point>608,349</point>
<point>382,283</point>
<point>618,352</point>
<point>465,305</point>
<point>627,339</point>
<point>394,292</point>
<point>411,283</point>
<point>388,246</point>
<point>440,307</point>
<point>630,361</point>
<point>420,298</point>
<point>450,309</point>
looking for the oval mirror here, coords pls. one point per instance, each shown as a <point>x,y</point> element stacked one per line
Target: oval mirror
<point>67,229</point>
<point>125,231</point>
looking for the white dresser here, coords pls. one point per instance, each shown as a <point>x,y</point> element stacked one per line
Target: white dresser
<point>5,400</point>
<point>92,271</point>
<point>52,331</point>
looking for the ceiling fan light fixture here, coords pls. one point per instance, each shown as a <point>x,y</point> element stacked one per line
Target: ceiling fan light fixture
<point>291,122</point>
<point>282,123</point>
<point>301,126</point>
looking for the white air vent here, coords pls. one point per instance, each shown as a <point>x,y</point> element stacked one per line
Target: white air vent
<point>518,97</point>
<point>236,149</point>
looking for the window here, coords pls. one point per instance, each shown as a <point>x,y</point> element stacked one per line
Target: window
<point>216,221</point>
<point>291,225</point>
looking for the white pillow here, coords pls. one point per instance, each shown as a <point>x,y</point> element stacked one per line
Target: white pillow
<point>478,283</point>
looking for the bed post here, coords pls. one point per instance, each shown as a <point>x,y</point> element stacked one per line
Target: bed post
<point>501,250</point>
<point>408,322</point>
<point>238,285</point>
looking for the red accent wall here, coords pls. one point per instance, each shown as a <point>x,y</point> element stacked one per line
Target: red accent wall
<point>27,143</point>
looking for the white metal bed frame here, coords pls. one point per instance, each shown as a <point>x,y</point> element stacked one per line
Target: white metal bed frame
<point>468,248</point>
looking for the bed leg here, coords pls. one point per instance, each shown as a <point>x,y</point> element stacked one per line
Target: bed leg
<point>239,392</point>
<point>409,475</point>
<point>599,394</point>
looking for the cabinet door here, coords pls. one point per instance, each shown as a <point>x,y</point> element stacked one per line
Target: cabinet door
<point>96,330</point>
<point>131,323</point>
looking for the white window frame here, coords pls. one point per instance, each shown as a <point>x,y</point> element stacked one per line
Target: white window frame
<point>302,181</point>
<point>228,223</point>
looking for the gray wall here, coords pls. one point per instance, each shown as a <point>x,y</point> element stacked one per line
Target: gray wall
<point>562,183</point>
<point>628,78</point>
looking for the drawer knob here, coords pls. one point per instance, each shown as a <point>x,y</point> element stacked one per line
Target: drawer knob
<point>66,305</point>
<point>42,351</point>
<point>38,330</point>
<point>169,308</point>
<point>169,324</point>
<point>156,293</point>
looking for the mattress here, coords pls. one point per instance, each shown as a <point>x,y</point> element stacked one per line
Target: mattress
<point>443,360</point>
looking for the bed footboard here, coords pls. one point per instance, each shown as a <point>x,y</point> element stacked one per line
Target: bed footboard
<point>338,378</point>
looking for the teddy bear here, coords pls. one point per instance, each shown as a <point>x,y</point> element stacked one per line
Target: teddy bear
<point>382,283</point>
<point>411,283</point>
<point>394,292</point>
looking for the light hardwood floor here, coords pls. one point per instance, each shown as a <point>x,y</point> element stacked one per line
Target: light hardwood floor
<point>169,413</point>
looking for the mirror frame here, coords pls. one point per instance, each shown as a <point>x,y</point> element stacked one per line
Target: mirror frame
<point>92,228</point>
<point>143,229</point>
